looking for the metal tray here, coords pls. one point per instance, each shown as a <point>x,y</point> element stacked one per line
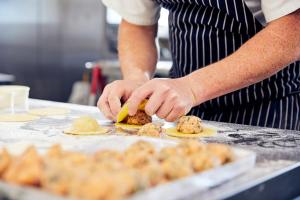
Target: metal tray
<point>182,188</point>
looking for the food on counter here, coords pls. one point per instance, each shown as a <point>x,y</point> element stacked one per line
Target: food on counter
<point>151,129</point>
<point>140,118</point>
<point>17,118</point>
<point>86,125</point>
<point>109,174</point>
<point>190,126</point>
<point>49,111</point>
<point>136,121</point>
<point>124,111</point>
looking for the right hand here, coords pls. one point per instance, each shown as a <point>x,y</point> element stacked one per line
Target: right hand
<point>109,102</point>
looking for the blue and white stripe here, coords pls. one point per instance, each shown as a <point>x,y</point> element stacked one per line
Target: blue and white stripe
<point>205,31</point>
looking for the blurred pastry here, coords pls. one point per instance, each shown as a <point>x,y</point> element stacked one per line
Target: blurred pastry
<point>151,129</point>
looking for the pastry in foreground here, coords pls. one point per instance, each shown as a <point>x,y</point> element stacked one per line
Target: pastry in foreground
<point>109,174</point>
<point>86,125</point>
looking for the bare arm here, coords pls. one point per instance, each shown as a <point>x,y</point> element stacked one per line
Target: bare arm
<point>138,57</point>
<point>262,56</point>
<point>137,51</point>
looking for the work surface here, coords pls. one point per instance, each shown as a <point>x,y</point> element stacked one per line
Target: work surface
<point>277,150</point>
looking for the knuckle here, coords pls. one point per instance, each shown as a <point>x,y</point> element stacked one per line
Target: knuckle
<point>173,96</point>
<point>107,87</point>
<point>165,88</point>
<point>111,98</point>
<point>116,82</point>
<point>179,107</point>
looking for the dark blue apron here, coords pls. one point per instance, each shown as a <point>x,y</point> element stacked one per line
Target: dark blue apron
<point>203,32</point>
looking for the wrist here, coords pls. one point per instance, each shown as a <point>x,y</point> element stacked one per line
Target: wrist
<point>196,88</point>
<point>136,75</point>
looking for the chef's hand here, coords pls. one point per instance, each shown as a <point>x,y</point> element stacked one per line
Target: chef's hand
<point>110,101</point>
<point>169,99</point>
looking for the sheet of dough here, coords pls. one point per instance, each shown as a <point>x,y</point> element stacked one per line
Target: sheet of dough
<point>49,111</point>
<point>17,117</point>
<point>75,132</point>
<point>207,132</point>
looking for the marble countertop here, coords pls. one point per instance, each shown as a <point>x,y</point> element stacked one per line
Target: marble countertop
<point>277,150</point>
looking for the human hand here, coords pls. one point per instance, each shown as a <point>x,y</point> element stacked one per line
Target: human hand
<point>109,102</point>
<point>169,99</point>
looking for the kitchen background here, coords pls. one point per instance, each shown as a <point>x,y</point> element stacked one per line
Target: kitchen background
<point>46,44</point>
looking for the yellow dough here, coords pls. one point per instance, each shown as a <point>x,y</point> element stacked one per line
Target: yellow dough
<point>17,117</point>
<point>124,111</point>
<point>205,133</point>
<point>49,111</point>
<point>86,125</point>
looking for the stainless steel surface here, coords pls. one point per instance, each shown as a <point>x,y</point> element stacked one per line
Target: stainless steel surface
<point>45,43</point>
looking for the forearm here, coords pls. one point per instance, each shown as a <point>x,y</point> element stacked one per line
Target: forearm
<point>137,51</point>
<point>262,56</point>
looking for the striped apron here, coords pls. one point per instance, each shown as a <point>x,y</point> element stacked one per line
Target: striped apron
<point>205,31</point>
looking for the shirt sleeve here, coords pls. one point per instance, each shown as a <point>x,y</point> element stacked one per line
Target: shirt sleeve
<point>274,9</point>
<point>139,12</point>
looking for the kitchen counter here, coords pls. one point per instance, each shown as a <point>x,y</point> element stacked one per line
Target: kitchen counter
<point>275,176</point>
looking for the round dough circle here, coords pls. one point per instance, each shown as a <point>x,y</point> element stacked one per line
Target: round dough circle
<point>207,132</point>
<point>17,117</point>
<point>49,111</point>
<point>75,132</point>
<point>86,125</point>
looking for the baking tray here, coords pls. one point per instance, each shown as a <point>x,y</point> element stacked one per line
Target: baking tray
<point>182,188</point>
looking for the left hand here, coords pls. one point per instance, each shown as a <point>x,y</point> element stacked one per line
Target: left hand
<point>169,99</point>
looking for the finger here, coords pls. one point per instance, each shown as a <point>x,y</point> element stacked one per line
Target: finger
<point>177,111</point>
<point>114,100</point>
<point>164,110</point>
<point>138,96</point>
<point>155,102</point>
<point>103,104</point>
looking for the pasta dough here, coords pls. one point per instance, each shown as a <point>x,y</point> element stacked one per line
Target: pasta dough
<point>190,127</point>
<point>86,125</point>
<point>17,117</point>
<point>206,132</point>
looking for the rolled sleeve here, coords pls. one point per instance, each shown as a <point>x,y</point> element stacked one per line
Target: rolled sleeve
<point>274,9</point>
<point>139,12</point>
